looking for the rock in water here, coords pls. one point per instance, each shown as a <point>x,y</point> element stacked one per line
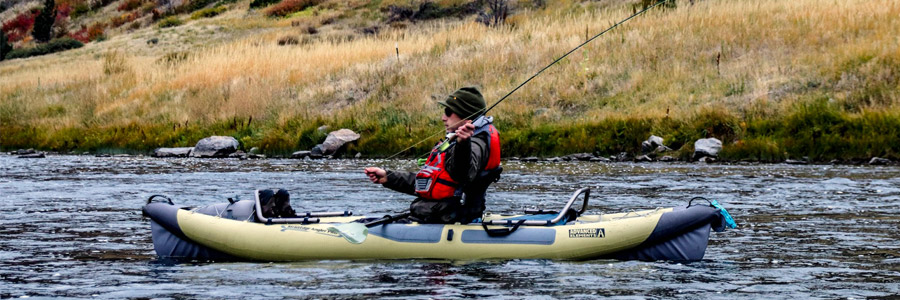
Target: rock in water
<point>173,152</point>
<point>215,146</point>
<point>33,155</point>
<point>337,139</point>
<point>707,147</point>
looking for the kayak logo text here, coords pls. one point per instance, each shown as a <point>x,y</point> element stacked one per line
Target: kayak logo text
<point>308,229</point>
<point>587,233</point>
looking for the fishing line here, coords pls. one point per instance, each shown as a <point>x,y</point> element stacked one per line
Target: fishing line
<point>484,111</point>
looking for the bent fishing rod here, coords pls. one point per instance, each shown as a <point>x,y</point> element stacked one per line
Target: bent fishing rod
<point>486,110</point>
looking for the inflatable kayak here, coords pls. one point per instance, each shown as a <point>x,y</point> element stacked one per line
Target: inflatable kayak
<point>238,231</point>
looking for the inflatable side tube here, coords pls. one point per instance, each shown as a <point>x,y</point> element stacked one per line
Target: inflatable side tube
<point>168,239</point>
<point>680,235</point>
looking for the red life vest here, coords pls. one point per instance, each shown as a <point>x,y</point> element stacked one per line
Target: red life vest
<point>434,182</point>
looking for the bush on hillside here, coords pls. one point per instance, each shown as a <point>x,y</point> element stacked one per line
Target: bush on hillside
<point>53,46</point>
<point>126,18</point>
<point>171,21</point>
<point>81,9</point>
<point>129,5</point>
<point>208,12</point>
<point>288,7</point>
<point>196,5</point>
<point>17,28</point>
<point>261,3</point>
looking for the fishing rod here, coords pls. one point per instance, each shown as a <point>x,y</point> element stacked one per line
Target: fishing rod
<point>486,110</point>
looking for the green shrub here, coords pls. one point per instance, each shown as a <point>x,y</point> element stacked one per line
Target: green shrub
<point>53,46</point>
<point>195,5</point>
<point>262,3</point>
<point>81,9</point>
<point>208,12</point>
<point>170,21</point>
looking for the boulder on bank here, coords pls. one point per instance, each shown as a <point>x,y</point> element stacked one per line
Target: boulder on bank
<point>651,144</point>
<point>667,159</point>
<point>878,161</point>
<point>580,156</point>
<point>33,155</point>
<point>300,154</point>
<point>707,148</point>
<point>317,152</point>
<point>337,139</point>
<point>661,149</point>
<point>173,152</point>
<point>215,146</point>
<point>23,152</point>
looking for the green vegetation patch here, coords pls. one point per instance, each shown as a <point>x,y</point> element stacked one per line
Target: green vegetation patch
<point>53,46</point>
<point>208,12</point>
<point>171,21</point>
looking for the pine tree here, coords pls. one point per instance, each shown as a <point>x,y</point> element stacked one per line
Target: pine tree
<point>44,21</point>
<point>4,45</point>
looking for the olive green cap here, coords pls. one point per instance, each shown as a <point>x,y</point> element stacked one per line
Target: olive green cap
<point>466,102</point>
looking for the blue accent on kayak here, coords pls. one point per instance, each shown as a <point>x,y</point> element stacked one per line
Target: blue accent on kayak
<point>422,233</point>
<point>536,236</point>
<point>728,219</point>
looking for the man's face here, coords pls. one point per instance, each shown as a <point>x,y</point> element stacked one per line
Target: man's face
<point>452,121</point>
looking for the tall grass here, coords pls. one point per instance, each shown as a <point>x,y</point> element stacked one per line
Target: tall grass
<point>772,79</point>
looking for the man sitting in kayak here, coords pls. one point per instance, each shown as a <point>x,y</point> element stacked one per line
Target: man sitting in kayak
<point>452,182</point>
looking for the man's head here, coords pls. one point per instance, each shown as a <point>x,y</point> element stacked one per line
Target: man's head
<point>464,103</point>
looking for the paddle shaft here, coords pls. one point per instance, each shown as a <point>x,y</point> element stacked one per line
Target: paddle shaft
<point>386,219</point>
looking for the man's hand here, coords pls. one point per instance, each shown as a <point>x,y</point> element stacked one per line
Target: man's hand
<point>376,175</point>
<point>465,131</point>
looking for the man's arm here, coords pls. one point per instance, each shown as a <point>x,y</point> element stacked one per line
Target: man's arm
<point>403,182</point>
<point>399,181</point>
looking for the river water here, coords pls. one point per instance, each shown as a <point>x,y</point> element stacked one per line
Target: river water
<point>72,227</point>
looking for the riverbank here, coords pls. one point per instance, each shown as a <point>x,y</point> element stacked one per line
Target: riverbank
<point>773,80</point>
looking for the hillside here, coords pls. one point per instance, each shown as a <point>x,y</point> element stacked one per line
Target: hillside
<point>772,79</point>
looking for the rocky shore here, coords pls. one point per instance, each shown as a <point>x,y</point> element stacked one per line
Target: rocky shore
<point>334,147</point>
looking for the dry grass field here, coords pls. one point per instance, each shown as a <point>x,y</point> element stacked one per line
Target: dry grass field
<point>773,79</point>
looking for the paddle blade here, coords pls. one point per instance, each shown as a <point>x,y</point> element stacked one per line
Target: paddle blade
<point>352,232</point>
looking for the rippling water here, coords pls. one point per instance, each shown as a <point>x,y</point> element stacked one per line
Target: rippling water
<point>72,227</point>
